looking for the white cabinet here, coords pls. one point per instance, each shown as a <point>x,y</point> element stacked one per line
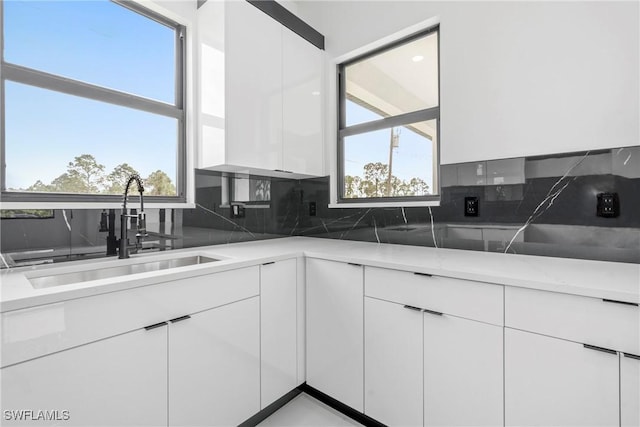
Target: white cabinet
<point>550,381</point>
<point>393,376</point>
<point>278,331</point>
<point>335,330</point>
<point>214,368</point>
<point>629,390</point>
<point>462,372</point>
<point>119,381</point>
<point>302,144</point>
<point>273,97</point>
<point>430,369</point>
<point>253,87</point>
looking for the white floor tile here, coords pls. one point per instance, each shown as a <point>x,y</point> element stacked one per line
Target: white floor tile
<point>305,411</point>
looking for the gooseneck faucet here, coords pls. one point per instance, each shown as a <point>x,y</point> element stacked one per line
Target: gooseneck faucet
<point>123,250</point>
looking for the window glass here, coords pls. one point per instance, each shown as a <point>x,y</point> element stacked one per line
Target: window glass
<point>388,137</point>
<point>66,144</point>
<point>399,80</point>
<point>98,42</point>
<point>391,162</point>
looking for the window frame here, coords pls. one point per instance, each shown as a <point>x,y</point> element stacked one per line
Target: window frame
<point>68,86</point>
<point>343,131</point>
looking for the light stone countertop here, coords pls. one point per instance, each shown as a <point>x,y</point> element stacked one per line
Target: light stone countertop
<point>599,279</point>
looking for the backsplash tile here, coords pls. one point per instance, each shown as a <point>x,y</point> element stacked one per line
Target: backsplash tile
<point>543,205</point>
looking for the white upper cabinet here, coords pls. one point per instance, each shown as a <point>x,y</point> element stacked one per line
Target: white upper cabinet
<point>301,105</point>
<point>253,87</point>
<point>272,95</point>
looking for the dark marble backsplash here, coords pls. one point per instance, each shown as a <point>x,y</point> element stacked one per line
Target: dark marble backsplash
<point>532,205</point>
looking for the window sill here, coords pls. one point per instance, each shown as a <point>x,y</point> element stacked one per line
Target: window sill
<point>132,203</point>
<point>398,204</point>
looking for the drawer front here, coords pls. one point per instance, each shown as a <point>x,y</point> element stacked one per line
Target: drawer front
<point>37,331</point>
<point>464,298</point>
<point>582,319</point>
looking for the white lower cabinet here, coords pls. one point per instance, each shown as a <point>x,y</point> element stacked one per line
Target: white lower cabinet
<point>424,368</point>
<point>463,372</point>
<point>393,361</point>
<point>214,366</point>
<point>554,382</point>
<point>278,331</point>
<point>629,390</point>
<point>118,381</point>
<point>335,337</point>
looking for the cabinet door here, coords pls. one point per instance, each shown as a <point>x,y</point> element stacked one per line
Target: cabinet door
<point>335,337</point>
<point>630,390</point>
<point>549,381</point>
<point>393,363</point>
<point>253,87</point>
<point>214,366</point>
<point>301,105</point>
<point>278,340</point>
<point>116,381</point>
<point>462,372</point>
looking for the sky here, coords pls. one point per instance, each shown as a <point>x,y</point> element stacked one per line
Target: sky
<point>412,158</point>
<point>96,42</point>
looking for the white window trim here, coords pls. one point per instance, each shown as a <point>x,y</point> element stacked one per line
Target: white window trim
<point>332,124</point>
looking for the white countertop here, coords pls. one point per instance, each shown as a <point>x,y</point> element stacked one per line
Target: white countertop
<point>599,279</point>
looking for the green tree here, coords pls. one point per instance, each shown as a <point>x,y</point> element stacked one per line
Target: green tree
<point>117,179</point>
<point>159,184</point>
<point>418,187</point>
<point>352,186</point>
<point>39,186</point>
<point>375,180</point>
<point>88,171</point>
<point>68,183</point>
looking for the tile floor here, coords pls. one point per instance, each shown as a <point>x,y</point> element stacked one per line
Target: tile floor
<point>305,411</point>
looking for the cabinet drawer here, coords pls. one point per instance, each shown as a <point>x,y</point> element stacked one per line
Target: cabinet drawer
<point>464,298</point>
<point>37,331</point>
<point>582,319</point>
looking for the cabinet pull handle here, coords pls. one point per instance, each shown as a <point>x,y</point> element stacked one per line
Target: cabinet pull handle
<point>155,325</point>
<point>354,264</point>
<point>410,307</point>
<point>604,350</point>
<point>437,313</point>
<point>282,170</point>
<point>267,263</point>
<point>180,319</point>
<point>631,356</point>
<point>423,274</point>
<point>620,302</point>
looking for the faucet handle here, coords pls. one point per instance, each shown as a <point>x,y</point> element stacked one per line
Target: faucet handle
<point>142,225</point>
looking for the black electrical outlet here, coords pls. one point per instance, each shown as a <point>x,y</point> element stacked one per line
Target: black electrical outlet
<point>608,205</point>
<point>312,208</point>
<point>237,211</point>
<point>471,206</point>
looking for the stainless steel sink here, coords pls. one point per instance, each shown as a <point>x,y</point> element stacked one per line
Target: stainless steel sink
<point>120,270</point>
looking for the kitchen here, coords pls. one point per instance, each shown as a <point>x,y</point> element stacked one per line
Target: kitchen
<point>292,167</point>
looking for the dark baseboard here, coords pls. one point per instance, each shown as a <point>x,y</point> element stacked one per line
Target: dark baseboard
<point>339,406</point>
<point>269,410</point>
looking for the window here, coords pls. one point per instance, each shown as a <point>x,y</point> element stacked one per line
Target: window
<point>92,92</point>
<point>389,116</point>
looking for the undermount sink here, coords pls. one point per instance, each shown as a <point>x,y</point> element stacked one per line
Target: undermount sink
<point>120,270</point>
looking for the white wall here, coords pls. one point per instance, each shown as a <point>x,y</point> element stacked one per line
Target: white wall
<point>517,78</point>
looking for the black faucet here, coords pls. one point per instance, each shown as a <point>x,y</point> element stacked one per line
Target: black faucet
<point>123,250</point>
